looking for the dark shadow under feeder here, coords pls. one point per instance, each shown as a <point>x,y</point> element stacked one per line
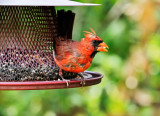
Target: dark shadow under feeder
<point>26,60</point>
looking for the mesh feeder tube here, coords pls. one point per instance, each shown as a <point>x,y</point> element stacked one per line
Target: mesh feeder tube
<point>26,39</point>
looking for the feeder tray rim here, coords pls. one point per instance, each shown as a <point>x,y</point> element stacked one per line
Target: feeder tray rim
<point>43,85</point>
<point>43,3</point>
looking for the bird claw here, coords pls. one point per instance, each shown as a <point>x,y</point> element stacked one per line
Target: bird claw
<point>83,83</point>
<point>67,81</point>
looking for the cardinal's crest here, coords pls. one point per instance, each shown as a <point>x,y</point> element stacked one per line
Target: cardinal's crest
<point>91,34</point>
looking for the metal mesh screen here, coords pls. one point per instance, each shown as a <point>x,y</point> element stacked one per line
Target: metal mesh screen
<point>26,42</point>
<point>27,27</point>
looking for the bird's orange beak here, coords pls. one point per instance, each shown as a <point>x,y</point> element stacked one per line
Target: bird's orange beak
<point>102,47</point>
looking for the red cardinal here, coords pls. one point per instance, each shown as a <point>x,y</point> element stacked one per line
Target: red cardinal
<point>74,56</point>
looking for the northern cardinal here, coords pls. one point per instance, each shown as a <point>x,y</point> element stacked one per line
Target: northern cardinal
<point>74,56</point>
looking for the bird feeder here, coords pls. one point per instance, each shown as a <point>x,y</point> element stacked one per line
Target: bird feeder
<point>27,29</point>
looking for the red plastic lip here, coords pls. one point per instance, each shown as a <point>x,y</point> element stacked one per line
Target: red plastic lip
<point>40,85</point>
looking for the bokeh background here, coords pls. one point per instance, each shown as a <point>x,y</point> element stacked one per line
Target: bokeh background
<point>131,68</point>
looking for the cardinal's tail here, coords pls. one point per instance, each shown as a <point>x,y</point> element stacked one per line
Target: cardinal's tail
<point>65,20</point>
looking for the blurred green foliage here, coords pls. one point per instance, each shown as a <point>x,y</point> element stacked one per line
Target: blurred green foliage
<point>131,68</point>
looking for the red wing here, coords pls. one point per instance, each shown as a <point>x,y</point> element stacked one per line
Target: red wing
<point>65,49</point>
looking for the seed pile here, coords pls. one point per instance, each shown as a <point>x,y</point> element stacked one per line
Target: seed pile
<point>24,65</point>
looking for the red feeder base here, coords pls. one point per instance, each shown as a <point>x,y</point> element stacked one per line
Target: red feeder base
<point>92,79</point>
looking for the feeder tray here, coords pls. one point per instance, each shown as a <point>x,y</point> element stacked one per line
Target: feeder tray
<point>92,79</point>
<point>27,29</point>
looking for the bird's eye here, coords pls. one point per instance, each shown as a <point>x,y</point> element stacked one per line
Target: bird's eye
<point>100,42</point>
<point>94,41</point>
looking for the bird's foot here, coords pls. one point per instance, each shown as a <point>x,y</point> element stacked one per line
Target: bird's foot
<point>62,78</point>
<point>82,79</point>
<point>83,83</point>
<point>67,81</point>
